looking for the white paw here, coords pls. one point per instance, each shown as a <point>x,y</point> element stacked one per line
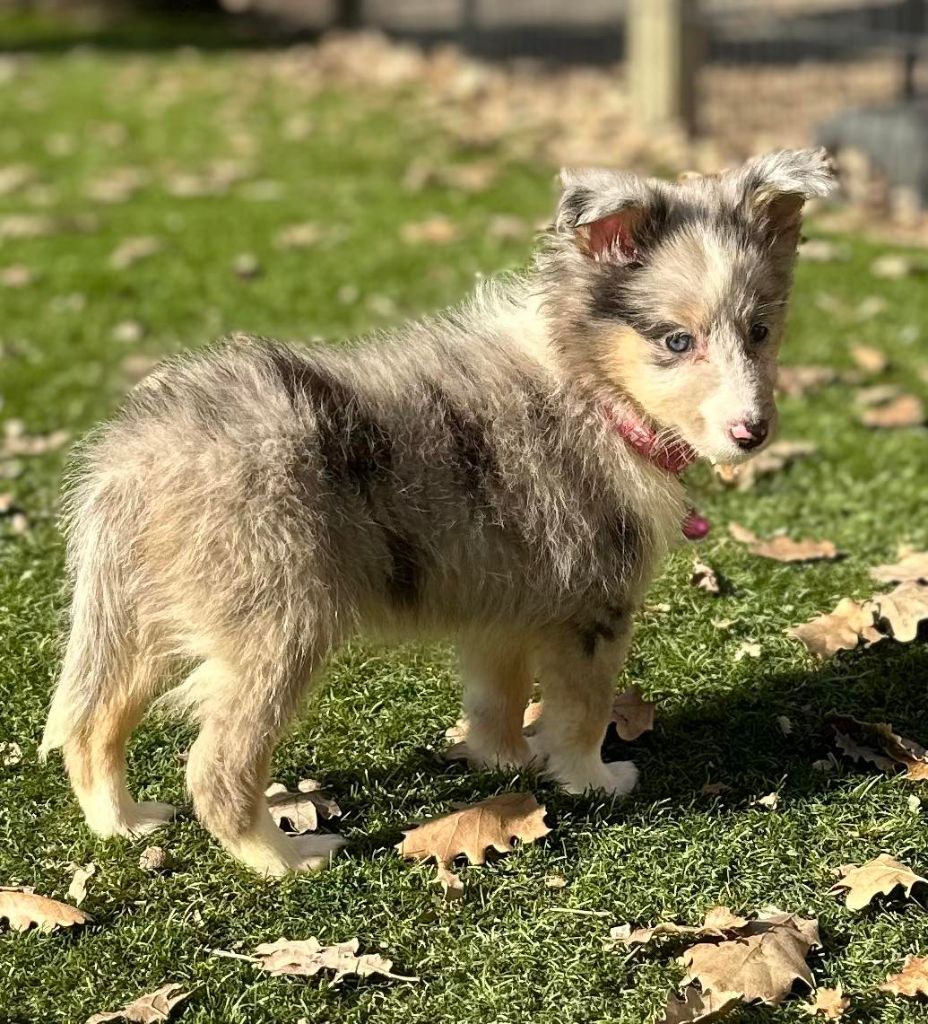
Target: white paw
<point>276,855</point>
<point>313,853</point>
<point>509,759</point>
<point>148,816</point>
<point>618,778</point>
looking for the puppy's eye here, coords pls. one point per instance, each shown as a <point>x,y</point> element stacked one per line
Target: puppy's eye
<point>759,333</point>
<point>679,342</point>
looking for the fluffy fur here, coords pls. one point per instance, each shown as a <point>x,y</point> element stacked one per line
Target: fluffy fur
<point>253,506</point>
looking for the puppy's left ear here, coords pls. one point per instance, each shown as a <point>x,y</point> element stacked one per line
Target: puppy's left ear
<point>774,188</point>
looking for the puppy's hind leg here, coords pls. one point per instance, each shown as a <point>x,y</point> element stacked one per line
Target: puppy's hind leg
<point>242,709</point>
<point>497,685</point>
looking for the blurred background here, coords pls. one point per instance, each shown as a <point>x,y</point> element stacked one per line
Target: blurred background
<point>667,85</point>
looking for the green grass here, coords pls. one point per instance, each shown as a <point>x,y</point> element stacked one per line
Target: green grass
<point>502,955</point>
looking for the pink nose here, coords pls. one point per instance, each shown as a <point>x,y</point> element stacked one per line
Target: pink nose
<point>748,434</point>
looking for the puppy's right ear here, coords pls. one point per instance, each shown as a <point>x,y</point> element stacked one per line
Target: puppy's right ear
<point>613,217</point>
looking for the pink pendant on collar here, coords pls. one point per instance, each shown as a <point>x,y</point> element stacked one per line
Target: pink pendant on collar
<point>672,458</point>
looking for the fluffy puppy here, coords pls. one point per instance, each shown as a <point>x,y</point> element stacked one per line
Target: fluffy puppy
<point>505,473</point>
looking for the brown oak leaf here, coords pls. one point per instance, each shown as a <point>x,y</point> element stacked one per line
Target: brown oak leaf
<point>632,714</point>
<point>761,964</point>
<point>911,981</point>
<point>698,1006</point>
<point>300,812</point>
<point>829,1002</point>
<point>912,567</point>
<point>878,877</point>
<point>452,885</point>
<point>904,411</point>
<point>841,630</point>
<point>704,577</point>
<point>719,923</point>
<point>471,831</point>
<point>308,957</point>
<point>869,359</point>
<point>24,908</point>
<point>902,610</point>
<point>877,743</point>
<point>774,459</point>
<point>148,1009</point>
<point>796,381</point>
<point>783,549</point>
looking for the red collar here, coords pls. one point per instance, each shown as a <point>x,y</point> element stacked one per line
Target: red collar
<point>672,457</point>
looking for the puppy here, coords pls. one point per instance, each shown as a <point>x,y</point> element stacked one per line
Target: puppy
<point>505,473</point>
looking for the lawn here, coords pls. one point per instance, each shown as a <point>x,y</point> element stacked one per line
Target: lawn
<point>514,950</point>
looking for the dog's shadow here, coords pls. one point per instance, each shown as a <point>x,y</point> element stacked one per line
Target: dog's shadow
<point>733,745</point>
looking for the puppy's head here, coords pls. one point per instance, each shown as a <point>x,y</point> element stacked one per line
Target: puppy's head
<point>673,296</point>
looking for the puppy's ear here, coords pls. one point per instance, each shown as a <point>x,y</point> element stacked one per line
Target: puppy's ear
<point>612,217</point>
<point>775,187</point>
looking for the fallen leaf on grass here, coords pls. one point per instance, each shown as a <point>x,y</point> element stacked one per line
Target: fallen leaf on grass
<point>134,250</point>
<point>26,225</point>
<point>719,922</point>
<point>300,236</point>
<point>879,394</point>
<point>896,614</point>
<point>770,802</point>
<point>128,332</point>
<point>301,810</point>
<point>893,266</point>
<point>869,359</point>
<point>911,568</point>
<point>876,743</point>
<point>308,957</point>
<point>781,548</point>
<point>911,981</point>
<point>437,230</point>
<point>11,753</point>
<point>797,381</point>
<point>829,1002</point>
<point>696,1006</point>
<point>155,859</point>
<point>452,885</point>
<point>24,908</point>
<point>632,714</point>
<point>904,411</point>
<point>878,877</point>
<point>77,890</point>
<point>470,832</point>
<point>17,275</point>
<point>761,964</point>
<point>748,649</point>
<point>704,577</point>
<point>774,459</point>
<point>148,1009</point>
<point>17,442</point>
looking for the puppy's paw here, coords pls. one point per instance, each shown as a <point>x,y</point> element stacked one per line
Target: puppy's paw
<point>277,855</point>
<point>616,779</point>
<point>133,821</point>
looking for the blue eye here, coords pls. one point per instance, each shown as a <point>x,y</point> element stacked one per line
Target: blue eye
<point>680,342</point>
<point>759,333</point>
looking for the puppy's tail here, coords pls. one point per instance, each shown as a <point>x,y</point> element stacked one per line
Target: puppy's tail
<point>100,649</point>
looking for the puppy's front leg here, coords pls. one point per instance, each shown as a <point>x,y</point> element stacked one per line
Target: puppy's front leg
<point>578,668</point>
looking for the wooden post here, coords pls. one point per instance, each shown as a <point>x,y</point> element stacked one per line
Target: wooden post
<point>664,50</point>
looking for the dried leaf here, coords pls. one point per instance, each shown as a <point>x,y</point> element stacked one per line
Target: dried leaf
<point>308,957</point>
<point>134,250</point>
<point>797,381</point>
<point>904,411</point>
<point>774,459</point>
<point>155,859</point>
<point>299,812</point>
<point>24,908</point>
<point>452,885</point>
<point>861,741</point>
<point>879,394</point>
<point>437,230</point>
<point>841,630</point>
<point>720,922</point>
<point>770,802</point>
<point>911,981</point>
<point>128,332</point>
<point>893,266</point>
<point>821,250</point>
<point>17,442</point>
<point>77,890</point>
<point>878,877</point>
<point>148,1009</point>
<point>631,714</point>
<point>901,610</point>
<point>490,824</point>
<point>782,548</point>
<point>11,754</point>
<point>748,649</point>
<point>911,568</point>
<point>704,577</point>
<point>761,964</point>
<point>300,236</point>
<point>829,1002</point>
<point>869,359</point>
<point>17,275</point>
<point>698,1006</point>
